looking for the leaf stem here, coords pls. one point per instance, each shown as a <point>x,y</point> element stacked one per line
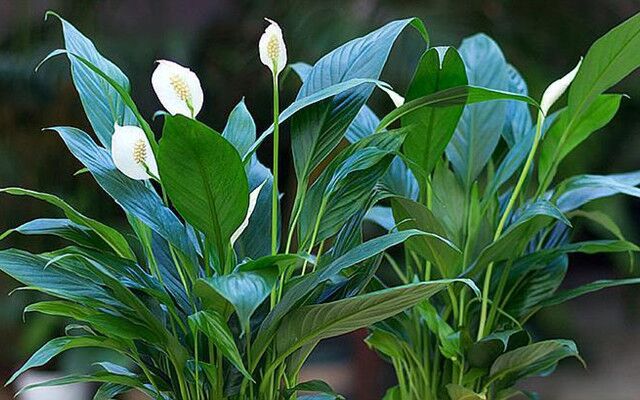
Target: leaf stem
<point>503,221</point>
<point>276,145</point>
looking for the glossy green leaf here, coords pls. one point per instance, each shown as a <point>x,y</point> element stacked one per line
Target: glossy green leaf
<point>480,126</point>
<point>611,58</point>
<point>59,345</point>
<point>581,189</point>
<point>457,392</point>
<point>434,246</point>
<point>102,104</point>
<point>313,386</point>
<point>108,234</point>
<point>240,129</point>
<point>530,360</point>
<point>204,177</point>
<point>431,128</point>
<point>321,321</point>
<point>135,197</point>
<point>244,290</point>
<point>511,243</point>
<point>483,353</point>
<point>215,328</point>
<point>302,287</point>
<point>567,133</point>
<point>570,294</point>
<point>318,129</point>
<point>63,228</point>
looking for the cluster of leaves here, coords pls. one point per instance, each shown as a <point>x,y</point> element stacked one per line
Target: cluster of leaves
<point>485,191</point>
<point>198,313</point>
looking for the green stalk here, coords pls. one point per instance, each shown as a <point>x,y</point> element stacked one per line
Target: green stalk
<point>503,221</point>
<point>276,145</point>
<point>314,235</point>
<point>197,362</point>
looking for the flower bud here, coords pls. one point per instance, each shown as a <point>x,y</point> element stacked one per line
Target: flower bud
<point>177,88</point>
<point>557,88</point>
<point>131,152</point>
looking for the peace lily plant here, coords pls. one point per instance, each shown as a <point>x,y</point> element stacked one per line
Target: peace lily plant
<point>209,294</point>
<point>482,186</point>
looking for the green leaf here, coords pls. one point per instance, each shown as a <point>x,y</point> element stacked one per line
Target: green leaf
<point>567,133</point>
<point>518,121</point>
<point>63,228</point>
<point>240,129</point>
<point>309,100</point>
<point>318,129</point>
<point>457,392</point>
<point>32,270</point>
<point>511,243</point>
<point>100,377</point>
<point>483,353</point>
<point>570,294</point>
<point>245,290</point>
<point>480,127</point>
<point>581,189</point>
<point>530,360</point>
<point>321,321</point>
<point>342,191</point>
<point>215,328</point>
<point>313,386</point>
<point>135,197</point>
<point>431,128</point>
<point>204,177</point>
<point>386,343</point>
<point>59,345</point>
<point>102,104</point>
<point>305,285</point>
<point>111,236</point>
<point>611,58</point>
<point>434,245</point>
<point>455,96</point>
<point>255,241</point>
<point>448,339</point>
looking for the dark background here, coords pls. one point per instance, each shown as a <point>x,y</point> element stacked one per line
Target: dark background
<point>218,40</point>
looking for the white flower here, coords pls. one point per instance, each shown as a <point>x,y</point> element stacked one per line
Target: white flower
<point>395,97</point>
<point>131,152</point>
<point>273,52</point>
<point>557,88</point>
<point>253,200</point>
<point>177,88</point>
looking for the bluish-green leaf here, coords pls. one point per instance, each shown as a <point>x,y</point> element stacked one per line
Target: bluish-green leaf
<point>102,104</point>
<point>318,129</point>
<point>480,126</point>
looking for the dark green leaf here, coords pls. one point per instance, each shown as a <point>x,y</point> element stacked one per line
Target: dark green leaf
<point>204,177</point>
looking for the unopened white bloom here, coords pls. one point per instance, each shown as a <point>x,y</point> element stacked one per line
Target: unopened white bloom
<point>253,200</point>
<point>395,97</point>
<point>177,88</point>
<point>131,152</point>
<point>273,52</point>
<point>557,88</point>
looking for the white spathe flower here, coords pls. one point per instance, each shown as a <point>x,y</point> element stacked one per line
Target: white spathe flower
<point>131,152</point>
<point>273,52</point>
<point>394,96</point>
<point>177,88</point>
<point>557,88</point>
<point>253,200</point>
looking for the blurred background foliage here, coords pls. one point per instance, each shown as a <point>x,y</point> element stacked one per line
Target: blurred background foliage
<point>218,40</point>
